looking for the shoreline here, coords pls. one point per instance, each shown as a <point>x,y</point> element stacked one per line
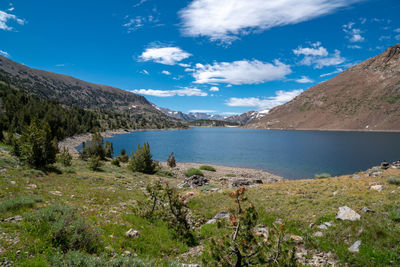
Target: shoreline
<point>324,130</point>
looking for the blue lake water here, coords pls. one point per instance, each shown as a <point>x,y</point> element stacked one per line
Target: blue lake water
<point>291,154</point>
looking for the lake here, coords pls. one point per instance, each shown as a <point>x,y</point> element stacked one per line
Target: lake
<point>291,154</point>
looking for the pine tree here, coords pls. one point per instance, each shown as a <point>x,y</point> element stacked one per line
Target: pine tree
<point>171,160</point>
<point>142,160</point>
<point>109,149</point>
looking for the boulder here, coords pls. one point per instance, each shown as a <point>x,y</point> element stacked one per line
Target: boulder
<point>385,165</point>
<point>355,248</point>
<point>345,213</point>
<point>241,182</point>
<point>194,181</point>
<point>219,216</point>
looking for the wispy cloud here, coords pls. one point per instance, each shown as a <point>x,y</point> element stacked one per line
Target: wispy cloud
<point>353,34</point>
<point>5,18</point>
<point>4,53</point>
<point>225,20</point>
<point>280,98</point>
<point>318,56</point>
<point>354,47</point>
<point>144,72</point>
<point>338,70</point>
<point>141,2</point>
<point>164,55</point>
<point>166,72</point>
<point>304,79</point>
<point>240,72</point>
<point>185,91</point>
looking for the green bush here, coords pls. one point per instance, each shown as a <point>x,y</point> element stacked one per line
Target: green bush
<point>95,148</point>
<point>109,149</point>
<point>395,214</point>
<point>123,157</point>
<point>95,163</point>
<point>166,173</point>
<point>207,168</point>
<point>193,171</point>
<point>63,228</point>
<point>230,175</point>
<point>142,160</point>
<point>394,180</point>
<point>171,162</point>
<point>19,202</point>
<point>115,162</point>
<point>65,158</point>
<point>322,175</point>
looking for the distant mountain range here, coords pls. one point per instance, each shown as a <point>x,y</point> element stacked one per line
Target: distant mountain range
<point>363,97</point>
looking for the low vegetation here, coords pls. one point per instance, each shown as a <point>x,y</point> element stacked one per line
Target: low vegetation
<point>142,160</point>
<point>207,168</point>
<point>322,175</point>
<point>394,180</point>
<point>193,171</point>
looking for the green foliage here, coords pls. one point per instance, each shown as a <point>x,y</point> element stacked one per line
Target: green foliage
<point>18,203</point>
<point>63,228</point>
<point>395,214</point>
<point>115,162</point>
<point>123,157</point>
<point>207,168</point>
<point>36,146</point>
<point>394,180</point>
<point>193,171</point>
<point>109,149</point>
<point>65,158</point>
<point>171,160</point>
<point>95,148</point>
<point>166,173</point>
<point>95,163</point>
<point>322,175</point>
<point>142,160</point>
<point>242,247</point>
<point>230,175</point>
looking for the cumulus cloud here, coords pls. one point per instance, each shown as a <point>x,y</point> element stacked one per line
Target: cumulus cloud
<point>318,56</point>
<point>4,53</point>
<point>185,91</point>
<point>304,79</point>
<point>164,55</point>
<point>240,72</point>
<point>225,20</point>
<point>280,98</point>
<point>166,72</point>
<point>214,89</point>
<point>7,17</point>
<point>353,34</point>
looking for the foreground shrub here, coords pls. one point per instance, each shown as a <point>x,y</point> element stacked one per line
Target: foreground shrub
<point>193,171</point>
<point>123,157</point>
<point>322,175</point>
<point>171,162</point>
<point>109,150</point>
<point>65,158</point>
<point>242,247</point>
<point>142,160</point>
<point>207,168</point>
<point>19,202</point>
<point>115,162</point>
<point>394,180</point>
<point>95,163</point>
<point>63,228</point>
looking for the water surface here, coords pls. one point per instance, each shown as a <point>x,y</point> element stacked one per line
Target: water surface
<point>291,154</point>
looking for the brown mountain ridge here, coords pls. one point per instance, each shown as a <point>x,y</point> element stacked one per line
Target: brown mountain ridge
<point>363,97</point>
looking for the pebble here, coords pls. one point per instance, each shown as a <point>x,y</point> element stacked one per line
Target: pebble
<point>355,247</point>
<point>377,187</point>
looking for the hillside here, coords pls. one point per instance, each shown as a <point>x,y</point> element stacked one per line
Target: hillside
<point>363,97</point>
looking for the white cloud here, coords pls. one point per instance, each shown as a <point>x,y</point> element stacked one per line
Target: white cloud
<point>280,98</point>
<point>138,22</point>
<point>201,111</point>
<point>397,30</point>
<point>354,47</point>
<point>338,70</point>
<point>304,79</point>
<point>318,56</point>
<point>184,65</point>
<point>240,72</point>
<point>166,72</point>
<point>225,20</point>
<point>185,91</point>
<point>6,17</point>
<point>141,2</point>
<point>214,89</point>
<point>4,53</point>
<point>144,72</point>
<point>164,55</point>
<point>353,34</point>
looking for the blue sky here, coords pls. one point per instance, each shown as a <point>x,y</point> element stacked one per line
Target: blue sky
<point>221,56</point>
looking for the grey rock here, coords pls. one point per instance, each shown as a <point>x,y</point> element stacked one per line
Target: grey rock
<point>356,176</point>
<point>322,227</point>
<point>132,233</point>
<point>194,181</point>
<point>262,231</point>
<point>365,210</point>
<point>318,234</point>
<point>16,218</point>
<point>385,165</point>
<point>241,182</point>
<point>345,213</point>
<point>219,216</point>
<point>355,247</point>
<point>377,187</point>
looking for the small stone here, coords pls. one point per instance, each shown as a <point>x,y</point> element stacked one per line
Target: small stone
<point>328,224</point>
<point>132,233</point>
<point>33,186</point>
<point>296,238</point>
<point>356,176</point>
<point>12,182</point>
<point>322,227</point>
<point>311,225</point>
<point>355,248</point>
<point>365,210</point>
<point>219,216</point>
<point>345,213</point>
<point>335,193</point>
<point>56,193</point>
<point>318,234</point>
<point>127,252</point>
<point>278,221</point>
<point>377,187</point>
<point>262,231</point>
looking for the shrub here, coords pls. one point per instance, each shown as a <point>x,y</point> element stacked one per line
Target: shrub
<point>36,147</point>
<point>109,149</point>
<point>123,157</point>
<point>65,158</point>
<point>19,202</point>
<point>142,160</point>
<point>230,175</point>
<point>63,228</point>
<point>171,160</point>
<point>322,175</point>
<point>395,214</point>
<point>394,180</point>
<point>115,162</point>
<point>193,171</point>
<point>207,168</point>
<point>95,148</point>
<point>242,247</point>
<point>166,173</point>
<point>95,163</point>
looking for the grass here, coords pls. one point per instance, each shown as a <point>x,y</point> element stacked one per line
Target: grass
<point>394,180</point>
<point>207,168</point>
<point>18,203</point>
<point>193,171</point>
<point>322,175</point>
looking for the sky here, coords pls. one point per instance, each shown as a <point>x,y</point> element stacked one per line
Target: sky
<point>217,56</point>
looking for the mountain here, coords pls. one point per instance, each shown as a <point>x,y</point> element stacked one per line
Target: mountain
<point>248,117</point>
<point>191,116</point>
<point>71,91</point>
<point>363,97</point>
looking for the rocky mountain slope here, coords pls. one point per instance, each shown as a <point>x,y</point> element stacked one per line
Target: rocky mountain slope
<point>248,117</point>
<point>363,97</point>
